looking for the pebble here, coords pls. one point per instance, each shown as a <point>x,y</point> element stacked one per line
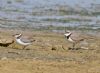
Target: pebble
<point>4,58</point>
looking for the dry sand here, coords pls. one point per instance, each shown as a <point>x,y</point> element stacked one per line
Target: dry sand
<point>48,54</point>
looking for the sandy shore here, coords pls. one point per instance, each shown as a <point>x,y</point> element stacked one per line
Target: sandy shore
<point>48,54</point>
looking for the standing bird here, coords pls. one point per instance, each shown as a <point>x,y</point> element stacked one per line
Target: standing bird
<point>23,41</point>
<point>74,39</point>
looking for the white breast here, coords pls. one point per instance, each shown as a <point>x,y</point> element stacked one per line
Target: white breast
<point>69,39</point>
<point>21,42</point>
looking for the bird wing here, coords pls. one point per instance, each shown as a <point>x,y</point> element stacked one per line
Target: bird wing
<point>80,36</point>
<point>77,37</point>
<point>26,40</point>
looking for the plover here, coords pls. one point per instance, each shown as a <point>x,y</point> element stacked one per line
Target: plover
<point>23,41</point>
<point>74,39</point>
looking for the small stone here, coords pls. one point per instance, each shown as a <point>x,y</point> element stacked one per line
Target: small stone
<point>4,58</point>
<point>53,48</point>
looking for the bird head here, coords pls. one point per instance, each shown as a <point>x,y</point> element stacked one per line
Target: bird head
<point>17,35</point>
<point>68,33</point>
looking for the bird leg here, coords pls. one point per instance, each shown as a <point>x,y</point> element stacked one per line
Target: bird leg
<point>73,47</point>
<point>24,47</point>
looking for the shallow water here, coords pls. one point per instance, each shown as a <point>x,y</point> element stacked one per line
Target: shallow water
<point>33,13</point>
